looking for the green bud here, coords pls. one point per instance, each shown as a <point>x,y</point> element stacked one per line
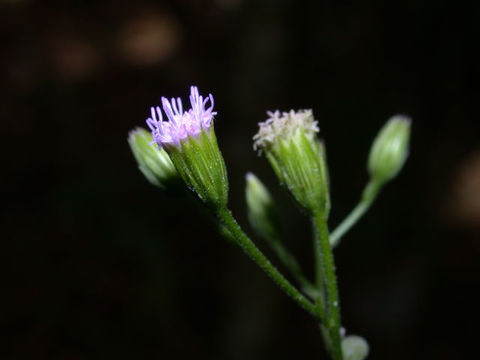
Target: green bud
<point>154,164</point>
<point>291,145</point>
<point>262,212</point>
<point>390,149</point>
<point>354,348</point>
<point>200,164</point>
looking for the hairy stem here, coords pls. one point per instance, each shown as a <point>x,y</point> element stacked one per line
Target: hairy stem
<point>247,245</point>
<point>328,305</point>
<point>291,263</point>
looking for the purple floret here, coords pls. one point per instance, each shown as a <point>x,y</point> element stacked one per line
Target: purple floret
<point>180,124</point>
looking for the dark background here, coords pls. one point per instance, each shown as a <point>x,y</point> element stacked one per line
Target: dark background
<point>99,264</point>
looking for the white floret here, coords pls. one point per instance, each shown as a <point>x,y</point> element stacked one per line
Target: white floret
<point>284,125</point>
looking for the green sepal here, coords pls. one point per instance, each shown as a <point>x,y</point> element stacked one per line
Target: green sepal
<point>200,164</point>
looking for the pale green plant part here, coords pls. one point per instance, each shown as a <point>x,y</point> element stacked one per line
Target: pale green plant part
<point>355,348</point>
<point>261,209</point>
<point>154,163</point>
<point>388,155</point>
<point>390,149</point>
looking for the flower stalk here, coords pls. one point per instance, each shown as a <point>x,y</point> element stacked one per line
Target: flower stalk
<point>264,219</point>
<point>328,303</point>
<point>368,197</point>
<point>247,245</point>
<point>387,157</point>
<point>298,158</point>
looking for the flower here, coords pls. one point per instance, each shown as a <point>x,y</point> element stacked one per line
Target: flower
<point>290,143</point>
<point>181,124</point>
<point>188,138</point>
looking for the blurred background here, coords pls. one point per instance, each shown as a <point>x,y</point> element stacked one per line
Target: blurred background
<point>99,264</point>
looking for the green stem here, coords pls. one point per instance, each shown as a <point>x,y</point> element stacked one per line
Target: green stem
<point>320,274</point>
<point>369,194</point>
<point>349,221</point>
<point>289,261</point>
<point>326,278</point>
<point>256,255</point>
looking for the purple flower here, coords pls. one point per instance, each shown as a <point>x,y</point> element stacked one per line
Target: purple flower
<point>180,124</point>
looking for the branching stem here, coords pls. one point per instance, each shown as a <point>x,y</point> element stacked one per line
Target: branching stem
<point>247,245</point>
<point>369,194</point>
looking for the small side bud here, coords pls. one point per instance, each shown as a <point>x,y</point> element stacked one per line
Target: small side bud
<point>390,149</point>
<point>154,163</point>
<point>355,348</point>
<point>290,143</point>
<point>262,212</point>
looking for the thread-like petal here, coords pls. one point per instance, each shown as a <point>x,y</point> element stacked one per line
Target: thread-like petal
<point>181,124</point>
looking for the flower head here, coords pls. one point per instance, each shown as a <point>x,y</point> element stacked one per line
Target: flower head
<point>297,156</point>
<point>181,124</point>
<point>188,137</point>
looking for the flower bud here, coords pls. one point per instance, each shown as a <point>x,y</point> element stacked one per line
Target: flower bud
<point>189,139</point>
<point>390,149</point>
<point>354,348</point>
<point>262,212</point>
<point>154,163</point>
<point>291,145</point>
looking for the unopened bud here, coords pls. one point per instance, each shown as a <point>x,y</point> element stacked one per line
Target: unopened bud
<point>262,212</point>
<point>390,149</point>
<point>154,163</point>
<point>290,143</point>
<point>354,347</point>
